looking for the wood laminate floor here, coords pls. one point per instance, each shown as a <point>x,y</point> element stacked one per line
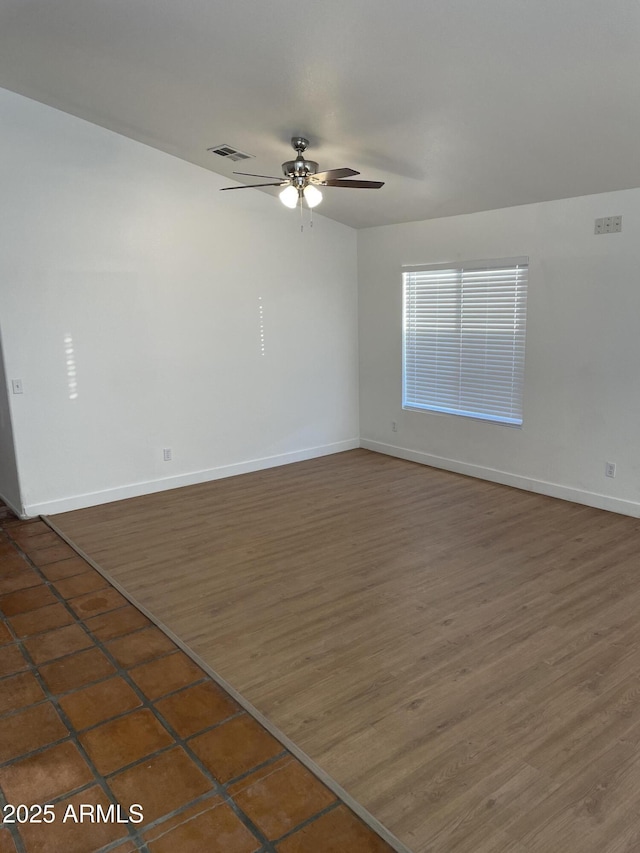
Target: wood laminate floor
<point>462,657</point>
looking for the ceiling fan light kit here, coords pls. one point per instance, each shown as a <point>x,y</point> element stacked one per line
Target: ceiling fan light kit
<point>289,196</point>
<point>302,179</point>
<point>312,195</point>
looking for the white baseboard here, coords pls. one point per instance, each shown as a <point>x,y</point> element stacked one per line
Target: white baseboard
<point>134,490</point>
<point>554,490</point>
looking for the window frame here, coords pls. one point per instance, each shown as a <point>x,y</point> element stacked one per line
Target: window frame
<point>518,340</point>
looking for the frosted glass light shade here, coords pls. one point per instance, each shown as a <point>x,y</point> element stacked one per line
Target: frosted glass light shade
<point>312,195</point>
<point>289,196</point>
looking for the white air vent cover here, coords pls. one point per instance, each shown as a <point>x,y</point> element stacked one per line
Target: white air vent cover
<point>230,153</point>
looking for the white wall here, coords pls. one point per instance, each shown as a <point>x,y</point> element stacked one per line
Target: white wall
<point>582,373</point>
<point>127,266</point>
<point>9,486</point>
<point>125,271</point>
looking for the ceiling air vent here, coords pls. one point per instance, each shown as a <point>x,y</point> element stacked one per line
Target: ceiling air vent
<point>230,153</point>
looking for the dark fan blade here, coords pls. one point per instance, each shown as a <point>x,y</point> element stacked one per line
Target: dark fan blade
<point>333,174</point>
<point>251,175</point>
<point>363,185</point>
<point>251,186</point>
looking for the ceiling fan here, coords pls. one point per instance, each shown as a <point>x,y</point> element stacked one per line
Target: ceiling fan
<point>302,179</point>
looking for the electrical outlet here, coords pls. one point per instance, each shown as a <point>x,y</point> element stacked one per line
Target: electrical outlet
<point>16,386</point>
<point>610,469</point>
<point>394,426</point>
<point>166,454</point>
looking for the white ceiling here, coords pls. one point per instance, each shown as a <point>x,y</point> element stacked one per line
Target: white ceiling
<point>458,105</point>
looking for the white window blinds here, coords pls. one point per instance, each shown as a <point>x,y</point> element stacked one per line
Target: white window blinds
<point>464,337</point>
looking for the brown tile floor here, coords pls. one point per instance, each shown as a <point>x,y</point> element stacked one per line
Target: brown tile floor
<point>100,712</point>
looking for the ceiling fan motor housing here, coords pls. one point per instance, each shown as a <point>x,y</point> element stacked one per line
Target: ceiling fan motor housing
<point>299,168</point>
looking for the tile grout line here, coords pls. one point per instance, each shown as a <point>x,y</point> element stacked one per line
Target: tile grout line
<point>13,828</point>
<point>98,779</point>
<point>326,810</point>
<point>72,738</point>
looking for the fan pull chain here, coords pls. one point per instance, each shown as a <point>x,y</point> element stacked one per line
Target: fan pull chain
<point>301,220</point>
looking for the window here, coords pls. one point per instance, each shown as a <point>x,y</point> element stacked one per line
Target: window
<point>463,343</point>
